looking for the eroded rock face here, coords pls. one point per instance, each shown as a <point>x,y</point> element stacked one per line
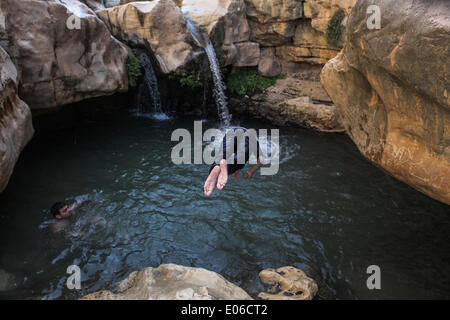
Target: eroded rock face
<point>159,25</point>
<point>269,66</point>
<point>247,54</point>
<point>289,284</point>
<point>15,120</point>
<point>273,23</point>
<point>391,89</point>
<point>63,52</point>
<point>223,20</point>
<point>272,34</point>
<point>275,10</point>
<point>172,282</point>
<point>296,28</point>
<point>321,11</point>
<point>94,4</point>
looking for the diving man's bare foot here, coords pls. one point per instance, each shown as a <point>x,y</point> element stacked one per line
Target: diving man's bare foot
<point>237,176</point>
<point>211,181</point>
<point>249,174</point>
<point>223,176</point>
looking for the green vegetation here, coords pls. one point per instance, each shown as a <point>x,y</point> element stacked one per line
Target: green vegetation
<point>190,82</point>
<point>133,66</point>
<point>187,80</point>
<point>335,28</point>
<point>249,82</point>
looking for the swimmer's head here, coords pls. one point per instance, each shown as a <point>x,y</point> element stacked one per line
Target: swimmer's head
<point>60,210</point>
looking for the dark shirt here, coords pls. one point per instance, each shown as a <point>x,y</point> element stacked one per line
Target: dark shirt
<point>244,144</point>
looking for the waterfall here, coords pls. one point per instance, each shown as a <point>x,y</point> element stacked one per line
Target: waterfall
<point>151,86</point>
<point>203,41</point>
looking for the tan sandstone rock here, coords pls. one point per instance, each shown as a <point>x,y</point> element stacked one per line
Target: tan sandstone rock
<point>289,284</point>
<point>247,55</point>
<point>391,89</point>
<point>299,99</point>
<point>316,116</point>
<point>94,4</point>
<point>172,282</point>
<point>275,10</point>
<point>269,66</point>
<point>321,11</point>
<point>272,33</point>
<point>63,52</point>
<point>159,25</point>
<point>15,120</point>
<point>223,20</point>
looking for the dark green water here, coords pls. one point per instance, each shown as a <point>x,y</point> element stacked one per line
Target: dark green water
<point>327,211</point>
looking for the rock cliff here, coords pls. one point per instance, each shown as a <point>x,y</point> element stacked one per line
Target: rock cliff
<point>391,88</point>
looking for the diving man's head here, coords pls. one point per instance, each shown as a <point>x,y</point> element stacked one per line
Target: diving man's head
<point>60,210</point>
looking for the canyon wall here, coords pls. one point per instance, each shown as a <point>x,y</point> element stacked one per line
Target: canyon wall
<point>391,88</point>
<point>63,52</point>
<point>15,119</point>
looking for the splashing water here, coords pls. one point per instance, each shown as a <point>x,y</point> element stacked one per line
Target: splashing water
<point>203,41</point>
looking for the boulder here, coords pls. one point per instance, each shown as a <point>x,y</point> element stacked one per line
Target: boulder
<point>15,120</point>
<point>289,283</point>
<point>247,54</point>
<point>159,25</point>
<point>172,282</point>
<point>391,89</point>
<point>62,51</point>
<point>269,66</point>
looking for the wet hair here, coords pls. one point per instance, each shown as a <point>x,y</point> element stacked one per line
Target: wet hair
<point>54,210</point>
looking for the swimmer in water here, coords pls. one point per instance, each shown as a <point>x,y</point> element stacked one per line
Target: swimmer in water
<point>63,214</point>
<point>220,170</point>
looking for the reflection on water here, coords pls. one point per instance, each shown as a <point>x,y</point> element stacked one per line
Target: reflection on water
<point>327,211</point>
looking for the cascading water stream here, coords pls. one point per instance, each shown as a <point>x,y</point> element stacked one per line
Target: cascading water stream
<point>151,84</point>
<point>203,41</point>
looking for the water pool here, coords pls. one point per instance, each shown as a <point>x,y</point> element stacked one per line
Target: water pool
<point>328,211</point>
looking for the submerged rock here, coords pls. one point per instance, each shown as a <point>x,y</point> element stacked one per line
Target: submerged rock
<point>172,282</point>
<point>289,283</point>
<point>62,51</point>
<point>159,25</point>
<point>16,128</point>
<point>391,89</point>
<point>7,281</point>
